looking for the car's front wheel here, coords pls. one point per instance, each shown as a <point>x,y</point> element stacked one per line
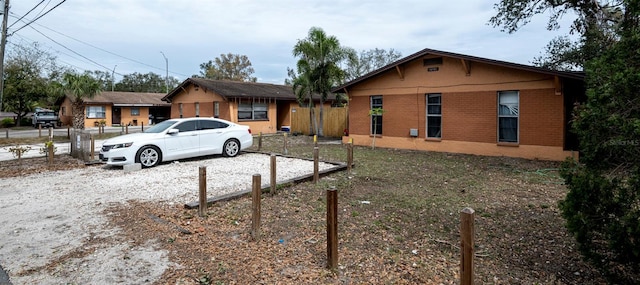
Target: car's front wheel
<point>231,148</point>
<point>148,156</point>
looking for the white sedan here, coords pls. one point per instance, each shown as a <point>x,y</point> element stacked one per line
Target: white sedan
<point>177,139</point>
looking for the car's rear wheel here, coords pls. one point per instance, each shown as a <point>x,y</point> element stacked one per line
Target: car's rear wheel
<point>231,148</point>
<point>149,156</point>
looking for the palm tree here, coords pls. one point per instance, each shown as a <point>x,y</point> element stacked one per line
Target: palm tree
<point>78,87</point>
<point>302,89</point>
<point>320,55</point>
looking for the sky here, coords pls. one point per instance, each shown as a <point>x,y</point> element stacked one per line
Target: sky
<point>127,36</point>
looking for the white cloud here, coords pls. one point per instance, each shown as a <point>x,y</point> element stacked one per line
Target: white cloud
<point>191,32</point>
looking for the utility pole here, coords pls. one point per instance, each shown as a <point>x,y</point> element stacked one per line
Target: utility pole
<point>3,43</point>
<point>113,80</point>
<point>166,78</point>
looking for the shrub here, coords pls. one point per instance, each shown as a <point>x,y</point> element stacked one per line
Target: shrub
<point>7,123</point>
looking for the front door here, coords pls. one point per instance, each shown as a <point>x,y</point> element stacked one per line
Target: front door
<point>115,118</point>
<point>185,143</point>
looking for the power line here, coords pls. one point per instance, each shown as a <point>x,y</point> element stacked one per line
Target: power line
<point>29,23</point>
<point>101,49</point>
<point>36,6</point>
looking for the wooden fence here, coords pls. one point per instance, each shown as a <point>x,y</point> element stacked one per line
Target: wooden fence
<point>335,121</point>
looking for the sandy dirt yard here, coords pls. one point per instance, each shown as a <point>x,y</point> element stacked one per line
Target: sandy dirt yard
<point>54,229</point>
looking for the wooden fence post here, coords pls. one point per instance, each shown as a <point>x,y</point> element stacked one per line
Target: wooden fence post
<point>51,133</point>
<point>285,151</point>
<point>316,175</point>
<point>260,141</point>
<point>256,193</point>
<point>467,233</point>
<point>68,132</point>
<point>315,140</point>
<point>273,174</point>
<point>349,156</point>
<point>142,126</point>
<point>126,129</point>
<point>50,153</point>
<point>6,133</point>
<point>39,130</point>
<point>332,228</point>
<point>122,132</point>
<point>93,145</point>
<point>202,206</point>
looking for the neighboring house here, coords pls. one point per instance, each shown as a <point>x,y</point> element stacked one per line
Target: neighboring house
<point>118,108</point>
<point>442,101</point>
<point>265,108</point>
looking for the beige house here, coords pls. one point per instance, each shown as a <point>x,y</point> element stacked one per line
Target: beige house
<point>441,101</point>
<point>265,108</point>
<point>118,108</point>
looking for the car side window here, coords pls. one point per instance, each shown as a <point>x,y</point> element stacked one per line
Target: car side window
<point>210,125</point>
<point>188,126</point>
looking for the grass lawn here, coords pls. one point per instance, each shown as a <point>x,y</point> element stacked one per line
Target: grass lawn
<point>399,216</point>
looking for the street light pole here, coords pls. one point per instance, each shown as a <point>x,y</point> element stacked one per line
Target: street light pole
<point>166,78</point>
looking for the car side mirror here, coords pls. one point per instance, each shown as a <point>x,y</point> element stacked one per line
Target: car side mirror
<point>173,131</point>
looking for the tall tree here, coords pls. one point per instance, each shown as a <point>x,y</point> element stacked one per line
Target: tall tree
<point>77,87</point>
<point>228,67</point>
<point>369,60</point>
<point>149,82</point>
<point>28,70</point>
<point>321,55</point>
<point>595,24</point>
<point>602,207</point>
<point>104,78</point>
<point>304,95</point>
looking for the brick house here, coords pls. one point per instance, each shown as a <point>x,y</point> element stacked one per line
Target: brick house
<point>441,101</point>
<point>265,108</point>
<point>117,108</point>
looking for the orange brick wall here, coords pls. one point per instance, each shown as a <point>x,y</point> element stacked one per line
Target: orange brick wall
<point>469,116</point>
<point>541,118</point>
<point>466,116</point>
<point>359,122</point>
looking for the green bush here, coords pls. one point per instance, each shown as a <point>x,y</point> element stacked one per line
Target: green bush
<point>603,213</point>
<point>7,123</point>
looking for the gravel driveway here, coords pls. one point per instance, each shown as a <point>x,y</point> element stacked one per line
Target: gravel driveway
<point>54,230</point>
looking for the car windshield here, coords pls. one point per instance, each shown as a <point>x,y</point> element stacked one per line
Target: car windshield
<point>46,114</point>
<point>160,127</point>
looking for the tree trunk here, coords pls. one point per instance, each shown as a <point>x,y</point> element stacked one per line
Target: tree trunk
<point>77,109</point>
<point>321,124</point>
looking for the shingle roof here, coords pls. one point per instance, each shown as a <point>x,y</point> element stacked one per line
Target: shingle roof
<point>236,89</point>
<point>424,52</point>
<point>127,99</point>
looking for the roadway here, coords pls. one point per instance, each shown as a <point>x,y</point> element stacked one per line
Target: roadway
<point>34,151</point>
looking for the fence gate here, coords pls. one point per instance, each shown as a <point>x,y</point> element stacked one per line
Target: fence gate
<point>335,120</point>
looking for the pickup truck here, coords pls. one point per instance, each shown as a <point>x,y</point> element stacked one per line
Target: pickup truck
<point>44,118</point>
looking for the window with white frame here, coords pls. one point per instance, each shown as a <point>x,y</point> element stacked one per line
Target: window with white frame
<point>135,111</point>
<point>434,116</point>
<point>96,112</point>
<point>508,115</point>
<point>248,110</point>
<point>197,105</point>
<point>376,119</point>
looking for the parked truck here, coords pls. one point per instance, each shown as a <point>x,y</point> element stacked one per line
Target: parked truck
<point>44,118</point>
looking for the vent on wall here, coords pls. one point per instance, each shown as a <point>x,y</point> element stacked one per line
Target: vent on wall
<point>432,61</point>
<point>413,132</point>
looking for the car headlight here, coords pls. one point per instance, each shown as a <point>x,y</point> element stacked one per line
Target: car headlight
<point>122,145</point>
